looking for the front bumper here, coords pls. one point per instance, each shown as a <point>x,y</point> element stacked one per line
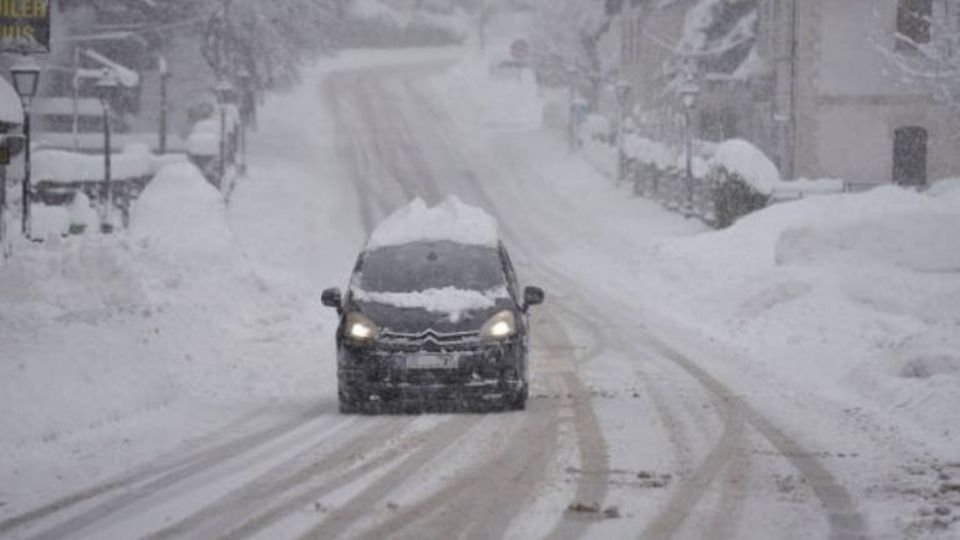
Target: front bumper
<point>483,373</point>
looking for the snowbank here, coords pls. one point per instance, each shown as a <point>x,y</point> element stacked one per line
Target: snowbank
<point>181,213</point>
<point>450,220</point>
<point>946,189</point>
<point>856,290</point>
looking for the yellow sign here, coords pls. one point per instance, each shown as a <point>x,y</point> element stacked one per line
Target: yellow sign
<point>24,26</point>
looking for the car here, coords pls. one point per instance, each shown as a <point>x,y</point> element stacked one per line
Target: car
<point>433,320</point>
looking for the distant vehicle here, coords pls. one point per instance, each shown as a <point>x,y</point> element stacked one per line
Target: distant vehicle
<point>434,323</point>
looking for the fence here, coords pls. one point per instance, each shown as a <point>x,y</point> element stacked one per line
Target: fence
<point>717,198</point>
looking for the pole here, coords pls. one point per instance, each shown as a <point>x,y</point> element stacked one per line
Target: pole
<point>162,142</point>
<point>243,147</point>
<point>223,144</point>
<point>107,225</point>
<point>3,210</point>
<point>689,149</point>
<point>75,128</point>
<point>27,188</point>
<point>483,25</point>
<point>620,164</point>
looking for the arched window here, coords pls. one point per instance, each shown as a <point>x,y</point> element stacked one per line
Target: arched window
<point>913,23</point>
<point>910,156</point>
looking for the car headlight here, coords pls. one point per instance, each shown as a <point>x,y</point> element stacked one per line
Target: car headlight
<point>500,326</point>
<point>360,328</point>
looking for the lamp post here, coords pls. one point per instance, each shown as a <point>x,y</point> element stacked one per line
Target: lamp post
<point>244,102</point>
<point>689,93</point>
<point>107,92</point>
<point>573,112</point>
<point>224,92</point>
<point>623,92</point>
<point>26,76</point>
<point>162,130</point>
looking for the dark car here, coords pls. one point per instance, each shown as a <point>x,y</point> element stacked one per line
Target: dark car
<point>432,325</point>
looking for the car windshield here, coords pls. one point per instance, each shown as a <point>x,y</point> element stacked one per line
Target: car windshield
<point>422,266</point>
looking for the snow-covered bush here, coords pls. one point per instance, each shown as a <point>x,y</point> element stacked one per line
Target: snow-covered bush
<point>734,198</point>
<point>743,180</point>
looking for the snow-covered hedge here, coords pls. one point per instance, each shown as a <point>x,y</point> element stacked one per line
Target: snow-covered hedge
<point>64,166</point>
<point>736,178</point>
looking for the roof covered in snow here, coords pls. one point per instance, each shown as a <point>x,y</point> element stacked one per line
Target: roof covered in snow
<point>64,166</point>
<point>451,220</point>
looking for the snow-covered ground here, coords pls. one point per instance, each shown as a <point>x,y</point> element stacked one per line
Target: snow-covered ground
<point>801,364</point>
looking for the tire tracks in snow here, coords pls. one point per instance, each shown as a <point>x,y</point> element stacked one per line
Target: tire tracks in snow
<point>843,519</point>
<point>408,164</point>
<point>590,442</point>
<point>276,484</point>
<point>165,471</point>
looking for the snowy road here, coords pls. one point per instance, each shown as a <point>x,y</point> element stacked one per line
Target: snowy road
<point>625,436</point>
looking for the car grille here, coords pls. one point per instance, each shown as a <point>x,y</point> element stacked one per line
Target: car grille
<point>429,341</point>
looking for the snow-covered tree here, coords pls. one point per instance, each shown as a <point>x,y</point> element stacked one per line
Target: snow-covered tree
<point>268,39</point>
<point>578,34</point>
<point>719,37</point>
<point>926,52</point>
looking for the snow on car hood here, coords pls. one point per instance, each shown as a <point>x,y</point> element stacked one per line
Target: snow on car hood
<point>449,300</point>
<point>451,220</point>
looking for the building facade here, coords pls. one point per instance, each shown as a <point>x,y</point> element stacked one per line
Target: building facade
<point>827,88</point>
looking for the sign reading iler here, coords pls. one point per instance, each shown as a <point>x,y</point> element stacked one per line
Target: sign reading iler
<point>24,26</point>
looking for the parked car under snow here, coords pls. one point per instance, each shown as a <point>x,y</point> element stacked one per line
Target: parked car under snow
<point>433,318</point>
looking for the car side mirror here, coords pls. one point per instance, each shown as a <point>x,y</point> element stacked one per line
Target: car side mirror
<point>332,298</point>
<point>532,296</point>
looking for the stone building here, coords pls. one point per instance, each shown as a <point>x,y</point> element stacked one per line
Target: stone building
<point>824,87</point>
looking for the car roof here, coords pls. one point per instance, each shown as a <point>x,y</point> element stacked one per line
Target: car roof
<point>451,220</point>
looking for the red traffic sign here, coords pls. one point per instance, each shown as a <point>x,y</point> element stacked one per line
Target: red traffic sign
<point>520,50</point>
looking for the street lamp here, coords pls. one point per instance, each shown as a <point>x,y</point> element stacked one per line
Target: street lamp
<point>162,130</point>
<point>224,93</point>
<point>26,77</point>
<point>689,93</point>
<point>107,88</point>
<point>571,115</point>
<point>245,103</point>
<point>623,92</point>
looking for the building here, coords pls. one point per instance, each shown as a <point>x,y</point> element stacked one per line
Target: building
<point>824,87</point>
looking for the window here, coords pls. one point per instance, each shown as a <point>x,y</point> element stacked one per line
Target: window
<point>913,23</point>
<point>910,156</point>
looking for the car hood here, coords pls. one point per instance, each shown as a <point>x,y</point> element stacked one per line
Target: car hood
<point>416,320</point>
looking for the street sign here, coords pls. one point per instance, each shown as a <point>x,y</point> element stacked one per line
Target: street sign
<point>520,50</point>
<point>25,26</point>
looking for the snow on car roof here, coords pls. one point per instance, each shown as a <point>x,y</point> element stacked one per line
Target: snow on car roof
<point>451,219</point>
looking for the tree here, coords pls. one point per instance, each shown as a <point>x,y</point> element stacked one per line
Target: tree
<point>925,55</point>
<point>718,37</point>
<point>268,39</point>
<point>578,34</point>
